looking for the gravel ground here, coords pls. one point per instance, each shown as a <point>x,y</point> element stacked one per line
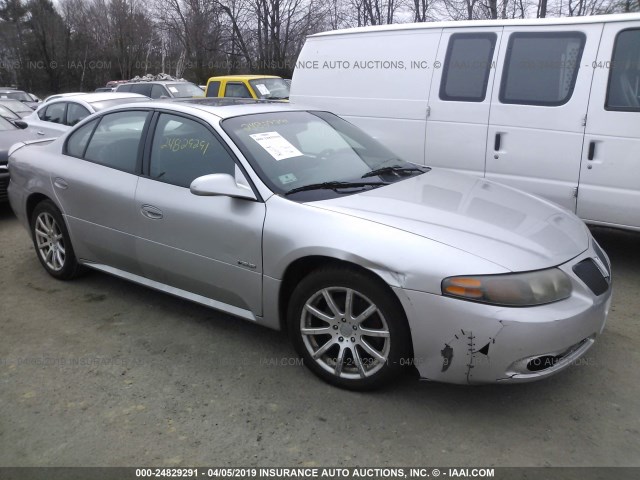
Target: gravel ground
<point>101,372</point>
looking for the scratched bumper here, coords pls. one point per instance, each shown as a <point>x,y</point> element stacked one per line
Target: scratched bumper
<point>457,341</point>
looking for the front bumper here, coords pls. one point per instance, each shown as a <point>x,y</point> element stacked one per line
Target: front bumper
<point>457,341</point>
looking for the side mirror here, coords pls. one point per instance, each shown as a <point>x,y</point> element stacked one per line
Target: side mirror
<point>21,124</point>
<point>220,184</point>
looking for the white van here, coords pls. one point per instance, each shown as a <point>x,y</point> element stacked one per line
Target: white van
<point>549,106</point>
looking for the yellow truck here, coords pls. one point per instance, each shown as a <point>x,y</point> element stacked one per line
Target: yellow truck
<point>263,87</point>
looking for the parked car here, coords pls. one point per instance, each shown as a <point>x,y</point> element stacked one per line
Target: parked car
<point>162,89</point>
<point>16,106</point>
<point>550,106</point>
<point>264,87</point>
<point>298,220</point>
<point>104,89</point>
<point>57,116</point>
<point>35,98</point>
<point>19,95</point>
<point>11,132</point>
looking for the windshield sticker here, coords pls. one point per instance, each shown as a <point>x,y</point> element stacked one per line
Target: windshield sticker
<point>264,124</point>
<point>287,178</point>
<point>262,89</point>
<point>176,144</point>
<point>173,89</point>
<point>276,145</point>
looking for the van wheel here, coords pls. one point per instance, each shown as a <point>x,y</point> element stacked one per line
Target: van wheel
<point>348,328</point>
<point>52,242</point>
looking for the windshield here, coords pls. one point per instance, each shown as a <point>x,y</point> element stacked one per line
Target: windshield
<point>289,150</point>
<point>17,95</point>
<point>5,112</point>
<point>185,90</point>
<point>16,106</point>
<point>270,88</point>
<point>6,125</point>
<point>101,105</point>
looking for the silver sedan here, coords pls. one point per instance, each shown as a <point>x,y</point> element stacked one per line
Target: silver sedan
<point>297,220</point>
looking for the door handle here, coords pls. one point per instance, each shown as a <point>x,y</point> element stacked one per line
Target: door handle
<point>40,132</point>
<point>61,183</point>
<point>151,212</point>
<point>497,142</point>
<point>592,150</point>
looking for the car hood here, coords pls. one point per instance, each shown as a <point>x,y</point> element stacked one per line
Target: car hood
<point>508,227</point>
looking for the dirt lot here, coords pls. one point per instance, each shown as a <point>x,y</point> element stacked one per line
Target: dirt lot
<point>102,372</point>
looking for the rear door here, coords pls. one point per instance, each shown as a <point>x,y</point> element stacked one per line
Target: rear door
<point>610,173</point>
<point>460,99</point>
<point>95,183</point>
<point>538,110</point>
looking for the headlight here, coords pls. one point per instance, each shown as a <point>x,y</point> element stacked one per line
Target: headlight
<point>512,290</point>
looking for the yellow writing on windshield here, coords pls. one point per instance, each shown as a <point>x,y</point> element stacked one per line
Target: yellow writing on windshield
<point>263,124</point>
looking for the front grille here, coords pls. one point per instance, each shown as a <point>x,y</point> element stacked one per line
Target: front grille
<point>591,275</point>
<point>4,183</point>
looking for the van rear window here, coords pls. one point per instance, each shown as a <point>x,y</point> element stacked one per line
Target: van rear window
<point>467,66</point>
<point>623,92</point>
<point>541,68</point>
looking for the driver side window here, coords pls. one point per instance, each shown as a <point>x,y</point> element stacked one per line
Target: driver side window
<point>183,150</point>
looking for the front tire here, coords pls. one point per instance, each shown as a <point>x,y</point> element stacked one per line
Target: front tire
<point>52,242</point>
<point>348,328</point>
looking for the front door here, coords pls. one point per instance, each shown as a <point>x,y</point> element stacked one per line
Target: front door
<point>209,246</point>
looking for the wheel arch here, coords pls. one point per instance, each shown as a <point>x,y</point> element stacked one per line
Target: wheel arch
<point>32,202</point>
<point>304,266</point>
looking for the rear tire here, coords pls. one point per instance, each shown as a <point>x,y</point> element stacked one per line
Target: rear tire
<point>349,328</point>
<point>52,242</point>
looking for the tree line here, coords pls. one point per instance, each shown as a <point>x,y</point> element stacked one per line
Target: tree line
<point>78,45</point>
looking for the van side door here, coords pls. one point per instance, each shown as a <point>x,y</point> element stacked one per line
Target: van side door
<point>460,98</point>
<point>609,191</point>
<point>538,109</point>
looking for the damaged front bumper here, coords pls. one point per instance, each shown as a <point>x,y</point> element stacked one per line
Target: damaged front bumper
<point>457,341</point>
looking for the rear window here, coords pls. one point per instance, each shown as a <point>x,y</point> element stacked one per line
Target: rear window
<point>237,90</point>
<point>142,89</point>
<point>623,92</point>
<point>213,89</point>
<point>541,68</point>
